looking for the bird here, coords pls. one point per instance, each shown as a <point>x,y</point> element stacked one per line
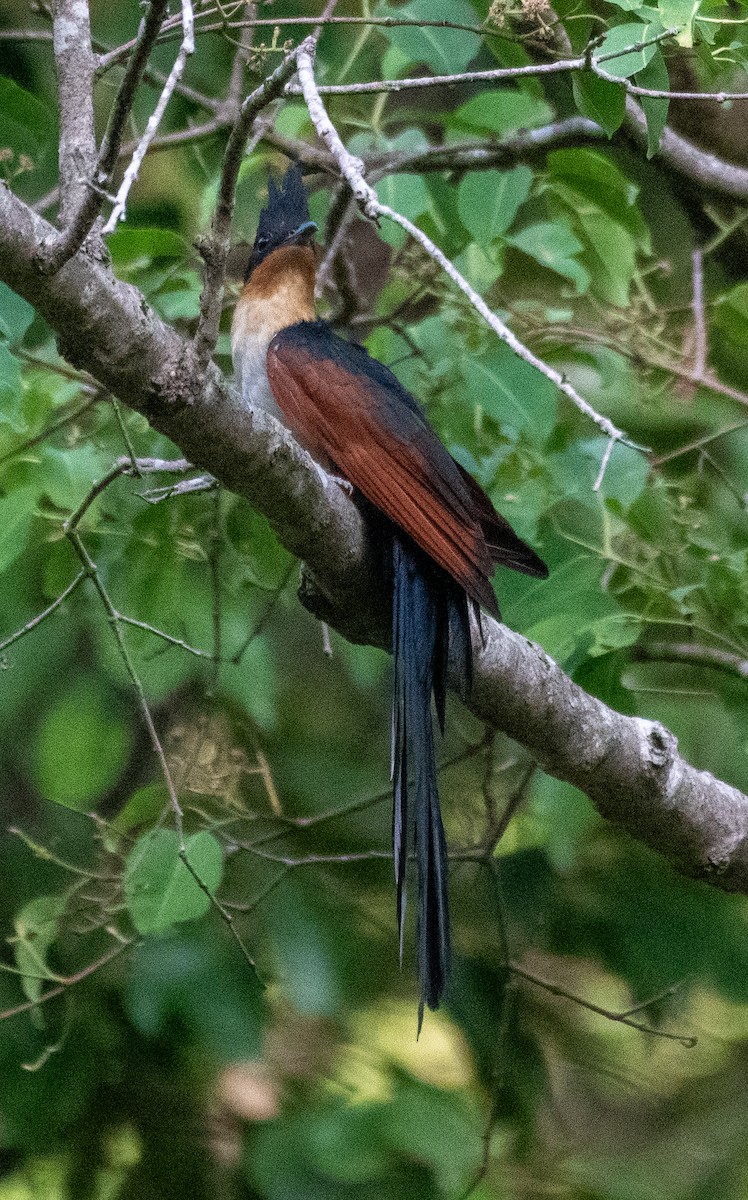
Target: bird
<point>443,534</point>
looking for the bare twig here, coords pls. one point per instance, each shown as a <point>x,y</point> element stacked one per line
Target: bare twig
<point>604,465</point>
<point>494,75</point>
<point>634,89</point>
<point>622,1018</point>
<point>235,89</point>
<point>185,50</point>
<point>692,653</point>
<point>26,35</point>
<point>111,56</point>
<point>699,317</point>
<point>92,572</point>
<point>66,419</point>
<point>35,621</point>
<point>688,160</point>
<point>165,637</point>
<point>203,483</point>
<point>69,980</point>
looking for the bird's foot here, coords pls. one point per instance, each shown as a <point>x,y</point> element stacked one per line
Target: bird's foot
<point>345,484</point>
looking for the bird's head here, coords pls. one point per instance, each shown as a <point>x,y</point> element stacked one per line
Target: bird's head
<point>285,219</point>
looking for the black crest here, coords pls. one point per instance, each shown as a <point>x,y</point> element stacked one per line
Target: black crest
<point>286,213</point>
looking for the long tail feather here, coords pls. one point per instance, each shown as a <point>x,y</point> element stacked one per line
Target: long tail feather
<point>430,623</point>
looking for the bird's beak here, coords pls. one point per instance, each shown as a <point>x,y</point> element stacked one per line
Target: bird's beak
<point>304,232</point>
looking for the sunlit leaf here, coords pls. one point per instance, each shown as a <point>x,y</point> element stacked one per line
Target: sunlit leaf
<point>618,39</point>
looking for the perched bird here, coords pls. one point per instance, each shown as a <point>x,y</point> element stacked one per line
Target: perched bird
<point>359,423</point>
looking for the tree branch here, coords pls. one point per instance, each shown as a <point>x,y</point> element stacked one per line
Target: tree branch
<point>682,156</point>
<point>628,766</point>
<point>75,63</point>
<point>91,198</point>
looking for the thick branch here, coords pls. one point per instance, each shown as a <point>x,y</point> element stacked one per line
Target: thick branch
<point>75,63</point>
<point>629,767</point>
<point>682,156</point>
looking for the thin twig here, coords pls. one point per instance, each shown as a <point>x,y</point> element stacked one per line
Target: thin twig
<point>38,438</point>
<point>92,572</point>
<point>202,483</point>
<point>604,465</point>
<point>494,75</point>
<point>32,624</point>
<point>235,88</point>
<point>699,317</point>
<point>165,637</point>
<point>622,1018</point>
<point>265,617</point>
<point>692,653</point>
<point>68,981</point>
<point>108,58</point>
<point>185,50</point>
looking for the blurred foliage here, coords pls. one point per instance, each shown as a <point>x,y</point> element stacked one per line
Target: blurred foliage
<point>238,1025</point>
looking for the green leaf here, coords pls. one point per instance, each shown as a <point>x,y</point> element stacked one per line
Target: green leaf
<point>143,808</point>
<point>15,317</point>
<point>180,297</point>
<point>437,1127</point>
<point>36,925</point>
<point>503,111</point>
<point>599,100</point>
<point>200,980</point>
<point>408,195</point>
<point>304,945</point>
<point>444,50</point>
<point>614,255</point>
<point>488,201</point>
<point>481,269</point>
<point>654,76</point>
<point>679,14</point>
<point>596,178</point>
<point>137,247</point>
<point>80,748</point>
<point>563,617</point>
<point>16,514</point>
<point>26,125</point>
<point>601,213</point>
<point>11,391</point>
<point>553,245</point>
<point>159,889</point>
<point>512,392</point>
<point>621,36</point>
